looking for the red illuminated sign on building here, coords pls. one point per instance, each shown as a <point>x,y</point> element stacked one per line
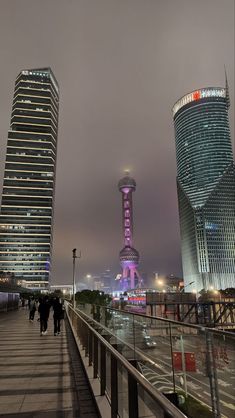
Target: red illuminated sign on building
<point>196,95</point>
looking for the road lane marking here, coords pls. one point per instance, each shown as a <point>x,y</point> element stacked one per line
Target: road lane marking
<point>228,405</point>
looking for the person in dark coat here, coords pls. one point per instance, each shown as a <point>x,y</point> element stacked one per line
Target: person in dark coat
<point>58,313</point>
<point>44,310</point>
<point>32,308</point>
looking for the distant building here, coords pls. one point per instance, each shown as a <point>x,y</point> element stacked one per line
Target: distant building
<point>176,284</point>
<point>29,179</point>
<point>107,280</point>
<point>6,277</point>
<point>206,188</point>
<point>98,284</point>
<point>65,289</point>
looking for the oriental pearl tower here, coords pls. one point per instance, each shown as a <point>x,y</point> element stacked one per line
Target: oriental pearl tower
<point>129,256</point>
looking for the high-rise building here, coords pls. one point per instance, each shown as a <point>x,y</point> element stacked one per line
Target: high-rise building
<point>129,256</point>
<point>206,188</point>
<point>29,179</point>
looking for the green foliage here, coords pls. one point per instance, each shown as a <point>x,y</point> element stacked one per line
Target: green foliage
<point>57,293</point>
<point>229,293</point>
<point>93,297</point>
<point>194,409</point>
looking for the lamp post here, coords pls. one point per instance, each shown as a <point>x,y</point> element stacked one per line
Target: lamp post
<point>161,283</point>
<point>74,258</point>
<point>189,284</point>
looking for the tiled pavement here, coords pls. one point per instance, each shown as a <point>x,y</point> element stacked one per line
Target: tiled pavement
<point>36,376</point>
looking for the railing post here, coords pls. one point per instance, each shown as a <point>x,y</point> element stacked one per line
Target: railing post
<point>172,360</point>
<point>106,313</point>
<point>95,357</point>
<point>212,374</point>
<point>86,341</point>
<point>133,395</point>
<point>114,388</point>
<point>83,335</point>
<point>90,347</point>
<point>102,369</point>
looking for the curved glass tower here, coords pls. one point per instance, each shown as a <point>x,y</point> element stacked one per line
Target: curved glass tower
<point>29,179</point>
<point>206,188</point>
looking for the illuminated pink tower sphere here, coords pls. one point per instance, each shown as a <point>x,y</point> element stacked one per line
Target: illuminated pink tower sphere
<point>129,256</point>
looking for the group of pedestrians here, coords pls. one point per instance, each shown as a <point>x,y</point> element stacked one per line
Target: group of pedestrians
<point>43,306</point>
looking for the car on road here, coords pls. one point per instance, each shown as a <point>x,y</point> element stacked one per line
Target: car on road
<point>149,342</point>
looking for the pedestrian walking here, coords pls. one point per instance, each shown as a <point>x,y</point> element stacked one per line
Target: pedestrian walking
<point>44,311</point>
<point>32,308</point>
<point>58,314</point>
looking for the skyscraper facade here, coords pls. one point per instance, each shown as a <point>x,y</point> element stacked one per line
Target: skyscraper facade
<point>206,188</point>
<point>29,179</point>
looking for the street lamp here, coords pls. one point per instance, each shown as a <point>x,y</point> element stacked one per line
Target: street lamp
<point>160,282</point>
<point>74,258</point>
<point>189,284</point>
<point>217,292</point>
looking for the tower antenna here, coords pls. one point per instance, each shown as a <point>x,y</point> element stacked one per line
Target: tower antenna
<point>227,87</point>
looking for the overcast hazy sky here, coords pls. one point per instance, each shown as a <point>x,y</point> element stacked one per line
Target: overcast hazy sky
<point>121,65</point>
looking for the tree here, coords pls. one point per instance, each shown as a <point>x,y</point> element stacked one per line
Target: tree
<point>93,297</point>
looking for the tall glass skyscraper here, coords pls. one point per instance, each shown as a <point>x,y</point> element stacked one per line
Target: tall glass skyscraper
<point>206,188</point>
<point>29,179</point>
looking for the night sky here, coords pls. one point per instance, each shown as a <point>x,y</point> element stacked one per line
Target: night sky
<point>121,65</point>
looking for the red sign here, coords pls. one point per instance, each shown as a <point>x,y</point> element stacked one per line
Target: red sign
<point>196,95</point>
<point>190,362</point>
<point>137,298</point>
<point>189,358</point>
<point>177,360</point>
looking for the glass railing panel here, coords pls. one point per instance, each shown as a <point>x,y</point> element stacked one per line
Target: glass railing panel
<point>153,344</point>
<point>124,331</point>
<point>123,411</point>
<point>99,359</point>
<point>223,363</point>
<point>177,357</point>
<point>148,408</point>
<point>190,367</point>
<point>108,374</point>
<point>108,317</point>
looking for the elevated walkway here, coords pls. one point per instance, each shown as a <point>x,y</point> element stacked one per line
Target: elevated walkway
<point>40,376</point>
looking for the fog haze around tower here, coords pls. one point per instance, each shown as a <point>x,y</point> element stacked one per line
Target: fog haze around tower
<point>121,66</point>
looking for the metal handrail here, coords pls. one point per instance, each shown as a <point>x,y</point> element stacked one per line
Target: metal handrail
<point>157,396</point>
<point>171,321</point>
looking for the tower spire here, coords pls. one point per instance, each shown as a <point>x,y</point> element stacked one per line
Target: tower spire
<point>227,88</point>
